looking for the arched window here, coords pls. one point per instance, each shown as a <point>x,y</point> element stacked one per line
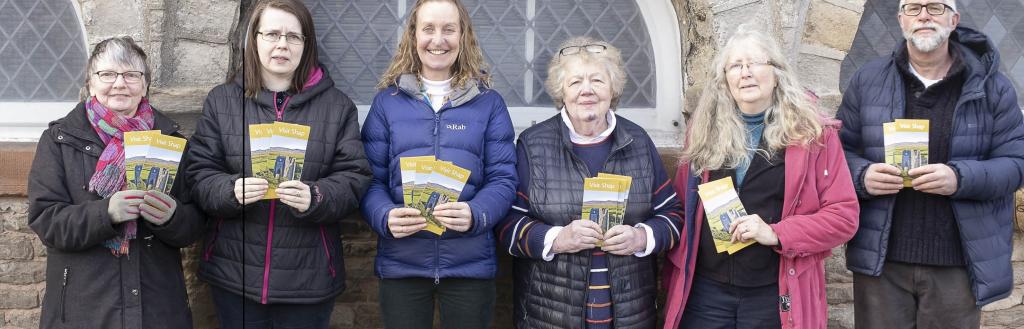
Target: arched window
<point>879,34</point>
<point>358,38</point>
<point>42,59</point>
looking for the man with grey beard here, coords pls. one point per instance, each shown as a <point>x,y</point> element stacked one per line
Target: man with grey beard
<point>931,254</point>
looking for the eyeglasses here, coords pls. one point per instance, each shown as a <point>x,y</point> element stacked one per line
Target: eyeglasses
<point>737,67</point>
<point>591,48</point>
<point>111,76</point>
<point>934,8</point>
<point>290,38</point>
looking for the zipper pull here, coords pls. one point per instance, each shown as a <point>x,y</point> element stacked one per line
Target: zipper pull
<point>64,283</point>
<point>437,122</point>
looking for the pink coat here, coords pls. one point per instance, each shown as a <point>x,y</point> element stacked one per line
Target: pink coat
<point>820,213</point>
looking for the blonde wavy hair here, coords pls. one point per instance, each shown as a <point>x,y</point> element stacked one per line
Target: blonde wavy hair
<point>717,134</point>
<point>468,65</point>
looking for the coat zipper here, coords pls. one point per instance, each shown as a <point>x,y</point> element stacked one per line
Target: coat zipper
<point>266,257</point>
<point>63,292</point>
<point>270,223</point>
<point>437,155</point>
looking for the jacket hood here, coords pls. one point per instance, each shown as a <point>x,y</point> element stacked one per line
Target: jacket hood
<point>318,82</point>
<point>410,84</point>
<point>981,60</point>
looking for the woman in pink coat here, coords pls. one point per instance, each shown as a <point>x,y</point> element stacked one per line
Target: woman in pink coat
<point>757,127</point>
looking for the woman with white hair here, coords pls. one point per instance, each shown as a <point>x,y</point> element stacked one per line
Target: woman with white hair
<point>112,252</point>
<point>757,126</point>
<point>572,272</point>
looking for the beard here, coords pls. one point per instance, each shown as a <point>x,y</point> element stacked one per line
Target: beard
<point>927,43</point>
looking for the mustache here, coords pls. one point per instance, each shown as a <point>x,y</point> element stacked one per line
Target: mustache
<point>927,25</point>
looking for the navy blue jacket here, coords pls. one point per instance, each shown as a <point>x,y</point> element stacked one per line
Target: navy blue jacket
<point>473,130</point>
<point>986,152</point>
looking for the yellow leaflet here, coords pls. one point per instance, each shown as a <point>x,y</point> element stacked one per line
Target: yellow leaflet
<point>408,170</point>
<point>424,172</point>
<point>721,206</point>
<point>906,145</point>
<point>136,149</point>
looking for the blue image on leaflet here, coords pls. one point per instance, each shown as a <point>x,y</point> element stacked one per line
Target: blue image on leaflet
<point>906,159</point>
<point>279,165</point>
<point>594,214</point>
<point>154,173</point>
<point>138,173</point>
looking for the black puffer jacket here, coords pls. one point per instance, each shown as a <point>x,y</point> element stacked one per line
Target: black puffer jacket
<point>552,294</point>
<point>267,250</point>
<point>86,286</point>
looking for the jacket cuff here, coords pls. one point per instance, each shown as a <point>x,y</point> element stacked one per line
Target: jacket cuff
<point>315,200</point>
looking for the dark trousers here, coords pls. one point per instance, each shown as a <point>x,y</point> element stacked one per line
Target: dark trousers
<point>715,305</point>
<point>235,311</point>
<point>409,303</point>
<point>915,296</point>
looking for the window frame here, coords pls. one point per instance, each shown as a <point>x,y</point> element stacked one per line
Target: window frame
<point>34,117</point>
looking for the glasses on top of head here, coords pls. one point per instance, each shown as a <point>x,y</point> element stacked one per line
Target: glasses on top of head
<point>292,38</point>
<point>737,67</point>
<point>591,48</point>
<point>111,76</point>
<point>934,8</point>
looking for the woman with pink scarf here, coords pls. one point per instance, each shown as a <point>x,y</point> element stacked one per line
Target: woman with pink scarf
<point>112,252</point>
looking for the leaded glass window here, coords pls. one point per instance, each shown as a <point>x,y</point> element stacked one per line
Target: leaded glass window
<point>1002,21</point>
<point>42,51</point>
<point>357,39</point>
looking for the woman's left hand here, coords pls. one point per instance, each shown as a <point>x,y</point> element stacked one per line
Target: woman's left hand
<point>752,227</point>
<point>294,194</point>
<point>624,240</point>
<point>454,215</point>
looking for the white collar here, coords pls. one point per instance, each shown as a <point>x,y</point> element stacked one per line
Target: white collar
<point>580,139</point>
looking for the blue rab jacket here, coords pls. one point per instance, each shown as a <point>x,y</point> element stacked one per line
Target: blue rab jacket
<point>986,152</point>
<point>474,131</point>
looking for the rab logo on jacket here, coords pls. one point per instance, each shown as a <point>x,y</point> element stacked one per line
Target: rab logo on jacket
<point>453,126</point>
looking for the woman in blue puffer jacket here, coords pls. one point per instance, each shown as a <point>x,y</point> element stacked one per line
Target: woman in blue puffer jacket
<point>435,101</point>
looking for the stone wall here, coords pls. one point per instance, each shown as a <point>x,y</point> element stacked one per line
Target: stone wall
<point>190,45</point>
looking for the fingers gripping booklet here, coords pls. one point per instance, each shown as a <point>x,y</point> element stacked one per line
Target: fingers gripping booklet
<point>427,182</point>
<point>906,145</point>
<point>721,207</point>
<point>278,152</point>
<point>151,160</point>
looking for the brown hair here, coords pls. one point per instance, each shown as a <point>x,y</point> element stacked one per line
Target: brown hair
<point>468,65</point>
<point>122,51</point>
<point>251,66</point>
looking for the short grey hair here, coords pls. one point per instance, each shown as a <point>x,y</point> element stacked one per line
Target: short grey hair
<point>119,50</point>
<point>951,3</point>
<point>611,59</point>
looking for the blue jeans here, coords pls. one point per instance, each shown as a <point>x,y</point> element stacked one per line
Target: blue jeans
<point>715,305</point>
<point>235,311</point>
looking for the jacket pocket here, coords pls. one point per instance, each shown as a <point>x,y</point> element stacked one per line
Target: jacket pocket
<point>63,292</point>
<point>327,251</point>
<point>213,240</point>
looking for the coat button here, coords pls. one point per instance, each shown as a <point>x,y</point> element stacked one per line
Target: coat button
<point>792,272</point>
<point>135,292</point>
<point>60,137</point>
<point>88,148</point>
